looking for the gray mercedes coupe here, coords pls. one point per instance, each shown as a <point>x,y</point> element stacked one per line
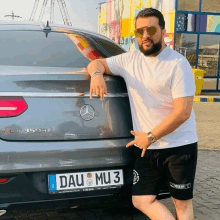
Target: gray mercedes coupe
<point>59,148</point>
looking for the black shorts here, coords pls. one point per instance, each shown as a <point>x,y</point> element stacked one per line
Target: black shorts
<point>175,167</point>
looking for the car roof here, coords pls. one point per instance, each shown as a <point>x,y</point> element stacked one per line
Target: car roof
<point>38,26</point>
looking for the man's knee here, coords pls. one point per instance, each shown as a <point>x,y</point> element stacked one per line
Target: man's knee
<point>182,205</point>
<point>145,201</point>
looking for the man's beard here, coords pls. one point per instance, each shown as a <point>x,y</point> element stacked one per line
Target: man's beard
<point>156,47</point>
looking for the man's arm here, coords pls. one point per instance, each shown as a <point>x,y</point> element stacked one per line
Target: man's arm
<point>98,85</point>
<point>182,111</point>
<point>182,84</point>
<point>99,64</point>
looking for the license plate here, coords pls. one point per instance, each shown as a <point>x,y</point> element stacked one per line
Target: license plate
<point>85,181</point>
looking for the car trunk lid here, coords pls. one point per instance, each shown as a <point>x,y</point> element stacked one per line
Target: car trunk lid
<point>59,107</point>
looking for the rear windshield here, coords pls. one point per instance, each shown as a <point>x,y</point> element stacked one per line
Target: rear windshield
<point>111,48</point>
<point>32,48</point>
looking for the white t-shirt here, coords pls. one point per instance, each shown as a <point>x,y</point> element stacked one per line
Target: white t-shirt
<point>152,83</point>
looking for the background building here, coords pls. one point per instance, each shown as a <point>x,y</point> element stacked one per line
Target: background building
<point>192,26</point>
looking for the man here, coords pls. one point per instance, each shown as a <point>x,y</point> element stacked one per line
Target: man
<point>161,88</point>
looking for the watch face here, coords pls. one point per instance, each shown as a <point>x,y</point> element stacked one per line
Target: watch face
<point>151,138</point>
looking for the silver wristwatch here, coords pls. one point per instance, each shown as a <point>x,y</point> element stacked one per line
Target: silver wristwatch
<point>151,138</point>
<point>96,72</point>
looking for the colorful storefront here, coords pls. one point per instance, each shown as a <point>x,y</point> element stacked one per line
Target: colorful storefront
<point>192,26</point>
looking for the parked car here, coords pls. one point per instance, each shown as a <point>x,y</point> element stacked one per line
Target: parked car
<point>59,148</point>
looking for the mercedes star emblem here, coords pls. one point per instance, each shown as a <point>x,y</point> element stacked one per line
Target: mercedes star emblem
<point>87,112</point>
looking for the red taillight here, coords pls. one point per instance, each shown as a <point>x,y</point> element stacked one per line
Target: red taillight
<point>4,180</point>
<point>12,106</point>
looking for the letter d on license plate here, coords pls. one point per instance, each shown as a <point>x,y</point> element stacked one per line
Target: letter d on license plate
<point>85,181</point>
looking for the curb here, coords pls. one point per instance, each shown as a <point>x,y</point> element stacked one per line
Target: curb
<point>206,99</point>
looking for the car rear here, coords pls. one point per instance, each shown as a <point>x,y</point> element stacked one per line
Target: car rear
<point>59,148</point>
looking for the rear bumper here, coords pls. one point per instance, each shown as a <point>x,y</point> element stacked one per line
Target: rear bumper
<point>28,164</point>
<point>30,191</point>
<point>111,200</point>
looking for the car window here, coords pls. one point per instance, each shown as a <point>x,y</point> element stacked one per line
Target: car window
<point>32,48</point>
<point>112,48</point>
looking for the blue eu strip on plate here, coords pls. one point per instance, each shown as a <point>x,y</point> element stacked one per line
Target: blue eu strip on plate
<point>52,182</point>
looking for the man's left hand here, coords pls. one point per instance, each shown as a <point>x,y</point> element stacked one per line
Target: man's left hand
<point>141,141</point>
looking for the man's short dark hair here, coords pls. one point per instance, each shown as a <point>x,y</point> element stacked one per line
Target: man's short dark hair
<point>151,12</point>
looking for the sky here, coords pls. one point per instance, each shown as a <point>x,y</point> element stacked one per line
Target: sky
<point>83,13</point>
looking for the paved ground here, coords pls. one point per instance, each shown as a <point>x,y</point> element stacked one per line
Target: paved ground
<point>207,183</point>
<point>208,124</point>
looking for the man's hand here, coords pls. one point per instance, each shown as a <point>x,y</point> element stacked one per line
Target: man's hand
<point>141,141</point>
<point>98,86</point>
